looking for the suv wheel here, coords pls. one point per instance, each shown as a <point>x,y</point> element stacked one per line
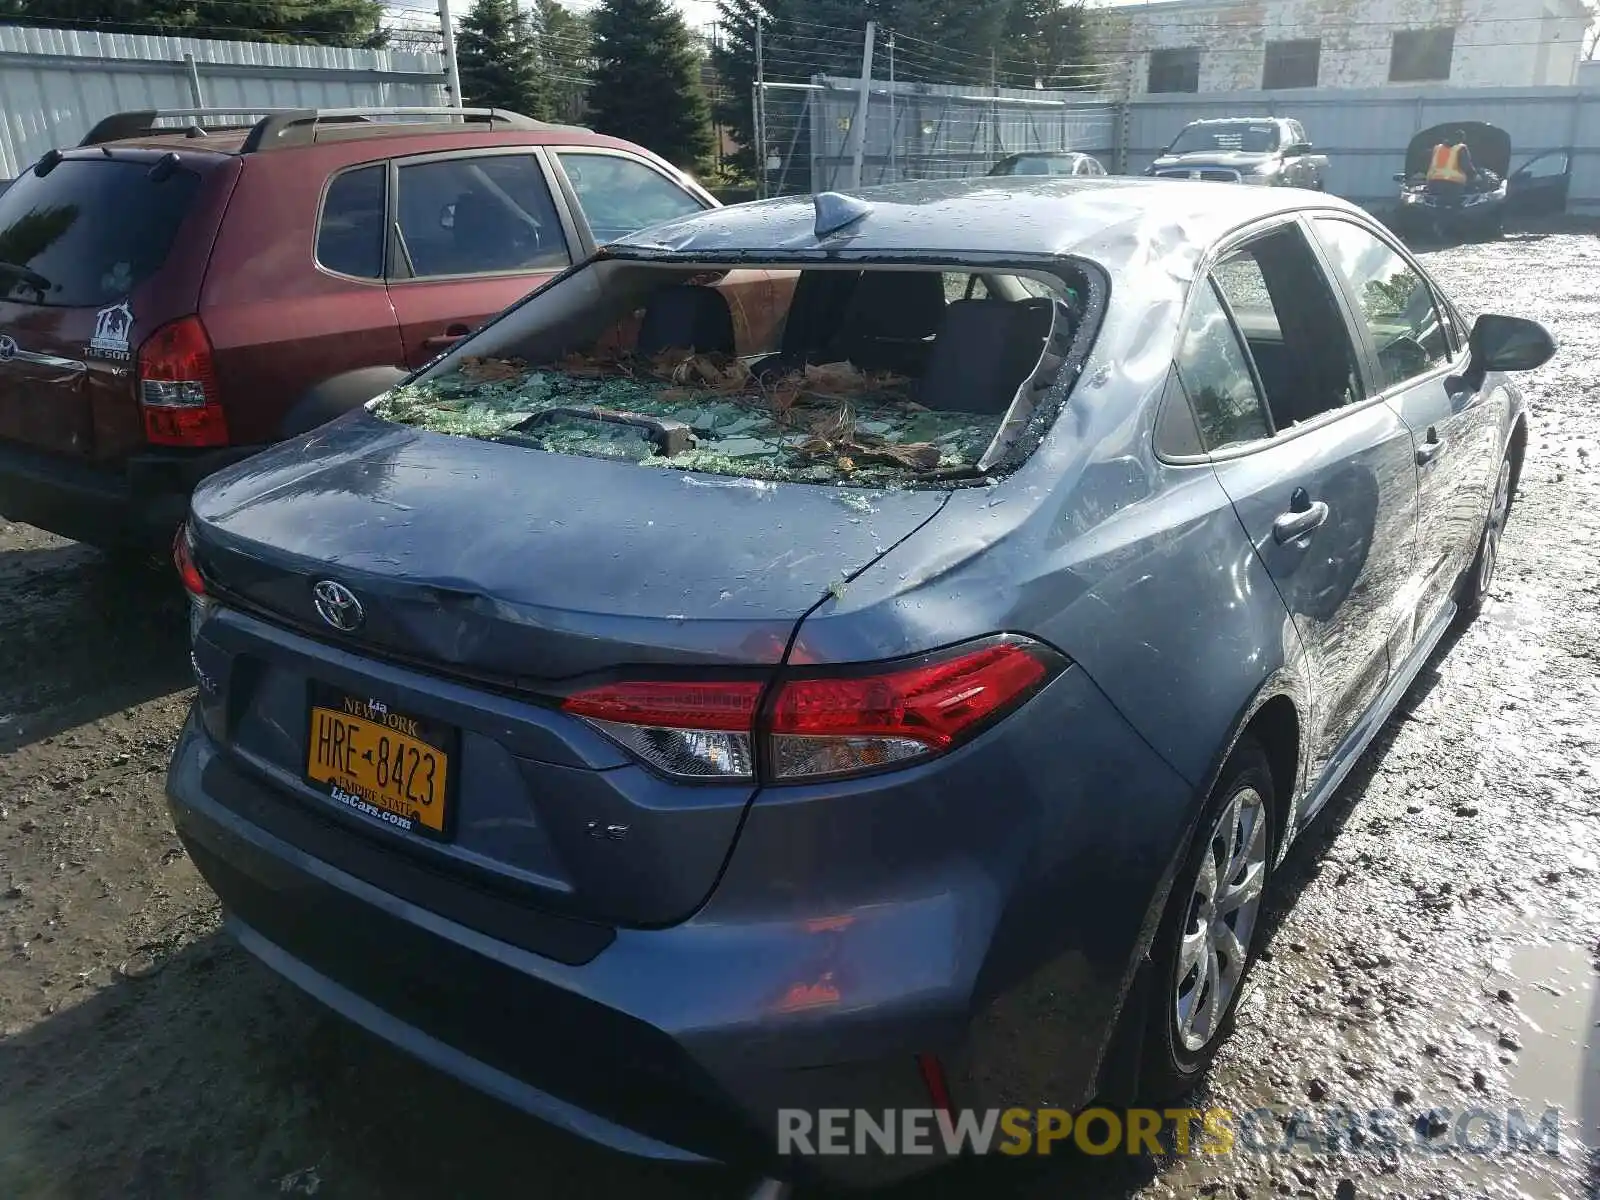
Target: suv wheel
<point>1208,935</point>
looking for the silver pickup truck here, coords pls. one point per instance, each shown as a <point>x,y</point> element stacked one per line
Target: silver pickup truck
<point>1270,151</point>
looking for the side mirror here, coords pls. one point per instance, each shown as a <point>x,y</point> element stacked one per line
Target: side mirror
<point>1404,357</point>
<point>1399,176</point>
<point>1509,344</point>
<point>447,217</point>
<point>1299,148</point>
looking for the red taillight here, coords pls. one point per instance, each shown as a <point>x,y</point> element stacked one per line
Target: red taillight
<point>820,725</point>
<point>931,703</point>
<point>183,560</point>
<point>934,1080</point>
<point>673,704</point>
<point>178,387</point>
<point>849,724</point>
<point>693,730</point>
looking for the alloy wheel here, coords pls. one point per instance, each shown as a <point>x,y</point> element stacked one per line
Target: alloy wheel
<point>1491,532</point>
<point>1221,921</point>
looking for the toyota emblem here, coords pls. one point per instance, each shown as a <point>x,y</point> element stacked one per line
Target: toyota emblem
<point>338,606</point>
<point>8,347</point>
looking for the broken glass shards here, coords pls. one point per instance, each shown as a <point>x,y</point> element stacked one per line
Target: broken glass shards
<point>817,423</point>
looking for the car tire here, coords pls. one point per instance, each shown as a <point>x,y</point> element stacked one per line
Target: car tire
<point>1479,580</point>
<point>1220,886</point>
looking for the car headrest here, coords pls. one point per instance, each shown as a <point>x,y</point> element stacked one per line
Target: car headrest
<point>984,351</point>
<point>482,227</point>
<point>900,305</point>
<point>816,310</point>
<point>687,317</point>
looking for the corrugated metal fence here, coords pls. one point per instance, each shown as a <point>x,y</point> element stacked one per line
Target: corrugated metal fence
<point>56,83</point>
<point>1364,133</point>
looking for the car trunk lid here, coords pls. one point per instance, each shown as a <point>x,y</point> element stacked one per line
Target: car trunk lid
<point>576,565</point>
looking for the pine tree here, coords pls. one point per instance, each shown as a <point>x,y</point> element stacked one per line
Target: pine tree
<point>497,55</point>
<point>355,23</point>
<point>646,81</point>
<point>1052,39</point>
<point>564,47</point>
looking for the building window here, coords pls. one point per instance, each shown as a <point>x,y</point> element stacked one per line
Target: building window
<point>1292,64</point>
<point>1175,70</point>
<point>1421,54</point>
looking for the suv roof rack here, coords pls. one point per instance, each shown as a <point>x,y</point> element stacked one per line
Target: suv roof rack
<point>282,127</point>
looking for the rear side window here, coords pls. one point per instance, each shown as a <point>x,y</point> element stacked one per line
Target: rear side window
<point>90,230</point>
<point>479,215</point>
<point>1215,374</point>
<point>1294,332</point>
<point>350,233</point>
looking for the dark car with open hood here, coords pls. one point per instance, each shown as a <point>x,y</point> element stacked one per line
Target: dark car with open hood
<point>1492,192</point>
<point>677,740</point>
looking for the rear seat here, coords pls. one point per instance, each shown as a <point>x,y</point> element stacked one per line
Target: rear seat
<point>889,321</point>
<point>985,350</point>
<point>686,317</point>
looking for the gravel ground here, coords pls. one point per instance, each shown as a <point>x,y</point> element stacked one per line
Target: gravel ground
<point>1434,939</point>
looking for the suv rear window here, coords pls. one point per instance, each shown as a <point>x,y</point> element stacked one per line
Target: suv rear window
<point>89,231</point>
<point>878,378</point>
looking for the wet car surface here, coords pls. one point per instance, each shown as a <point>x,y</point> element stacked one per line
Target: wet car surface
<point>1495,749</point>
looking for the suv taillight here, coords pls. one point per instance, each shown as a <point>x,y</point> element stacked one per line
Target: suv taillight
<point>821,724</point>
<point>178,387</point>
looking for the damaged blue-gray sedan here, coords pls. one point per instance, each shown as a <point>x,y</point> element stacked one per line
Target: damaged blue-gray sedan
<point>908,715</point>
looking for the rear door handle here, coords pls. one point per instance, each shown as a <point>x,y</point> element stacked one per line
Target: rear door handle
<point>449,337</point>
<point>1292,526</point>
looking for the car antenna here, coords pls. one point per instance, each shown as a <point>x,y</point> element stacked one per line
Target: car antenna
<point>836,210</point>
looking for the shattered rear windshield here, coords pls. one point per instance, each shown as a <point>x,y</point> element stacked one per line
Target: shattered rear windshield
<point>830,377</point>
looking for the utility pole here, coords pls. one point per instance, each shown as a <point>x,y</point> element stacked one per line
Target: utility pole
<point>758,107</point>
<point>893,132</point>
<point>863,98</point>
<point>994,108</point>
<point>452,73</point>
<point>716,103</point>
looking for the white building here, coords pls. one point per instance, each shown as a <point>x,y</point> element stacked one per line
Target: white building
<point>1250,45</point>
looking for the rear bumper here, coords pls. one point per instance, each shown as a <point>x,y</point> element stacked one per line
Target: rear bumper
<point>644,1049</point>
<point>988,909</point>
<point>136,502</point>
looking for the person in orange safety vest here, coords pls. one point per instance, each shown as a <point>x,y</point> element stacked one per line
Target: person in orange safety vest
<point>1451,163</point>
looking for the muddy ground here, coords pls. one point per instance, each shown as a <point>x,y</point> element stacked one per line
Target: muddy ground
<point>1433,940</point>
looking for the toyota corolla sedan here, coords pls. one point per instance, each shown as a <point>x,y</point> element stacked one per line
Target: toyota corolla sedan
<point>907,715</point>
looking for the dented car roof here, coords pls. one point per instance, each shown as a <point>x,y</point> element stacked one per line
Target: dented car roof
<point>1114,221</point>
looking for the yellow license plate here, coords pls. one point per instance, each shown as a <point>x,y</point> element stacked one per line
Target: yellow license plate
<point>382,764</point>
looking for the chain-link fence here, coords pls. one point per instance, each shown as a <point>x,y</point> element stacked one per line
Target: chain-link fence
<point>807,141</point>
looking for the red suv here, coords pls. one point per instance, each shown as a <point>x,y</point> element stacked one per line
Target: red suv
<point>173,299</point>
